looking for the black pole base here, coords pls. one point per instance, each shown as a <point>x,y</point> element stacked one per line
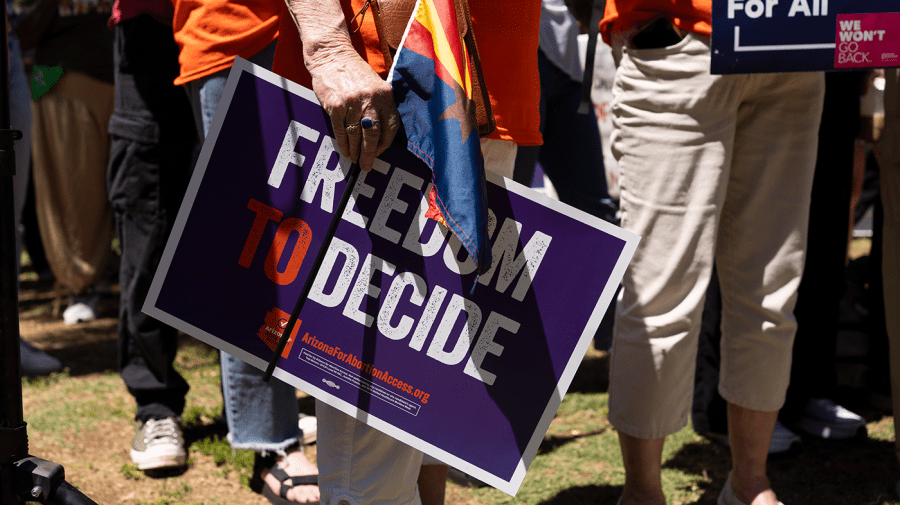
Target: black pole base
<point>43,481</point>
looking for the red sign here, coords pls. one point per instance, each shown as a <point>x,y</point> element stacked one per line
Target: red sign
<point>867,40</point>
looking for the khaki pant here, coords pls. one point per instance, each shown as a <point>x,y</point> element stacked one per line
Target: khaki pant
<point>713,168</point>
<point>70,150</point>
<point>890,199</point>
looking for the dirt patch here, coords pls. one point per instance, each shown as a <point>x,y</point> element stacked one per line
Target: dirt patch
<point>95,450</point>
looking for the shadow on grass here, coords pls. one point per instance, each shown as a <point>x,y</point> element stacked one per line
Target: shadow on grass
<point>218,428</point>
<point>166,473</point>
<point>98,348</point>
<point>592,495</point>
<point>96,355</point>
<point>592,375</point>
<point>853,472</point>
<point>554,442</point>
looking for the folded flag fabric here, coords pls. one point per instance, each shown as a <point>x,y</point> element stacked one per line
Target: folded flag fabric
<point>432,83</point>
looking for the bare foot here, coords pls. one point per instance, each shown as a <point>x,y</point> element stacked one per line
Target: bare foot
<point>295,464</point>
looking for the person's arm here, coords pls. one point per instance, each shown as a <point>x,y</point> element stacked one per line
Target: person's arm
<point>344,83</point>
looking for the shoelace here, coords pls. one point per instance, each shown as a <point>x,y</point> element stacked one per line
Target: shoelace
<point>157,430</point>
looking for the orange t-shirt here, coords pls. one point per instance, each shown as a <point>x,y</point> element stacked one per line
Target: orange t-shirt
<point>210,33</point>
<point>689,15</point>
<point>507,36</point>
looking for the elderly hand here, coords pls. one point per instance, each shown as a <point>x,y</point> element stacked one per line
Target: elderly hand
<point>361,106</point>
<point>360,103</point>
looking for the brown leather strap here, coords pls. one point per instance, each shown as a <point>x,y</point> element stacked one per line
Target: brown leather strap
<point>395,16</point>
<point>483,112</point>
<point>377,16</point>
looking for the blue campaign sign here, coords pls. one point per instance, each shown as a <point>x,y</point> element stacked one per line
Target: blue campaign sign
<point>398,330</point>
<point>752,36</point>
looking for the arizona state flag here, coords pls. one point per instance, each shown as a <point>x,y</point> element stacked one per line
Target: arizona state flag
<point>433,86</point>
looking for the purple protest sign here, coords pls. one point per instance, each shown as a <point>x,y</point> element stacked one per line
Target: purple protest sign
<point>397,331</point>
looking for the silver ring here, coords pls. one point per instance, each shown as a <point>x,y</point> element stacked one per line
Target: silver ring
<point>369,123</point>
<point>351,128</point>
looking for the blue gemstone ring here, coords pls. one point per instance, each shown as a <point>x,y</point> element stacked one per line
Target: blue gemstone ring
<point>369,123</point>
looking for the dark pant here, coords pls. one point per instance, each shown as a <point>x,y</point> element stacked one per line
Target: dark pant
<point>571,154</point>
<point>822,284</point>
<point>153,138</point>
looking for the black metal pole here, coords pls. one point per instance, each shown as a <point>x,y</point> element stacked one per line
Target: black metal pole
<point>348,190</point>
<point>11,390</point>
<point>22,477</point>
<point>13,438</point>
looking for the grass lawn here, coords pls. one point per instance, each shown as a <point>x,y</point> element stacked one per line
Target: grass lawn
<point>82,419</point>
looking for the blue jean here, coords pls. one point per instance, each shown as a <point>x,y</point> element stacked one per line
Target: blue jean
<point>261,415</point>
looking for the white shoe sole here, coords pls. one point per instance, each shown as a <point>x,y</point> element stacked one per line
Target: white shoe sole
<point>173,459</point>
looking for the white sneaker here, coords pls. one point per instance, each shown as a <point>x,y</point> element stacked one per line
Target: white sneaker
<point>309,427</point>
<point>825,419</point>
<point>158,444</point>
<point>81,310</point>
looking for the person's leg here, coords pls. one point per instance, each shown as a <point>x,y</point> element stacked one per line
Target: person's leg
<point>152,142</point>
<point>263,421</point>
<point>360,465</point>
<point>890,197</point>
<point>261,415</point>
<point>33,360</point>
<point>432,482</point>
<point>822,284</point>
<point>572,155</point>
<point>750,433</point>
<point>70,156</point>
<point>642,459</point>
<point>673,168</point>
<point>759,260</point>
<point>709,410</point>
